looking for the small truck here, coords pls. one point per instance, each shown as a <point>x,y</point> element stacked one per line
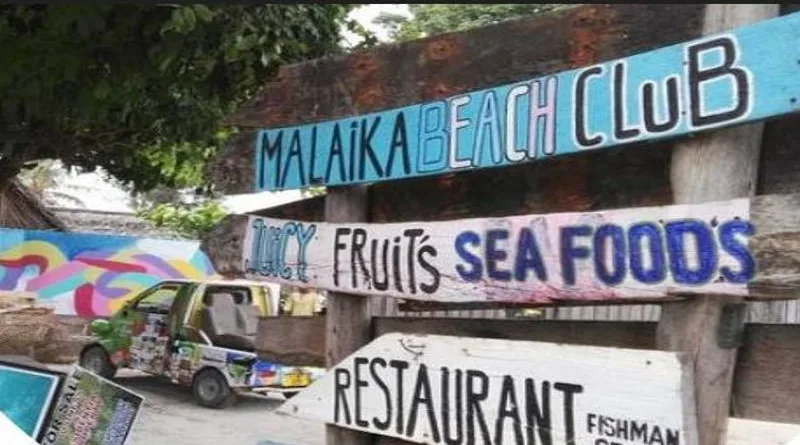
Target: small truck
<point>196,333</point>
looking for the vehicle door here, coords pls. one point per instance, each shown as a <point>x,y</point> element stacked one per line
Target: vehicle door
<point>150,333</point>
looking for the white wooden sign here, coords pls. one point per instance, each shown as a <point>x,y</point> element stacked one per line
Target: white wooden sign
<point>453,390</point>
<point>641,253</point>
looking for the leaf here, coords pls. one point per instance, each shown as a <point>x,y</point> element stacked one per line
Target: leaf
<point>203,13</point>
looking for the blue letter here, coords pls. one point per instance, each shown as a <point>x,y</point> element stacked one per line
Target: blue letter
<point>528,257</point>
<point>636,234</point>
<point>494,255</point>
<point>432,137</point>
<point>289,229</point>
<point>569,252</point>
<point>727,238</point>
<point>706,251</point>
<point>474,261</point>
<point>617,236</point>
<point>303,239</point>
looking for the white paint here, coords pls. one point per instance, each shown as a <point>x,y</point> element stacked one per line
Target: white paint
<point>651,387</point>
<point>323,261</point>
<point>11,433</point>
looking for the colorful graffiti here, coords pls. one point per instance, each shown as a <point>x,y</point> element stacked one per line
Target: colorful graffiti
<point>89,274</point>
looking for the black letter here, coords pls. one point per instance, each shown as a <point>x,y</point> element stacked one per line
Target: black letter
<point>366,149</point>
<point>359,241</point>
<point>380,285</point>
<point>295,151</point>
<point>648,102</point>
<point>569,409</point>
<point>538,417</point>
<point>336,150</point>
<point>399,140</point>
<point>381,424</point>
<point>337,246</point>
<point>446,407</point>
<point>508,394</point>
<point>423,385</point>
<point>340,394</point>
<point>269,152</point>
<point>619,105</point>
<point>429,250</point>
<point>698,76</point>
<point>412,235</point>
<point>580,108</point>
<point>313,180</point>
<point>474,407</point>
<point>400,366</point>
<point>359,361</point>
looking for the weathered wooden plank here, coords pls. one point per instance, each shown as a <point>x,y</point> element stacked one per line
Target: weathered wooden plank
<point>434,68</point>
<point>720,165</point>
<point>599,107</point>
<point>544,259</point>
<point>630,335</point>
<point>418,387</point>
<point>348,317</point>
<point>298,341</point>
<point>765,384</point>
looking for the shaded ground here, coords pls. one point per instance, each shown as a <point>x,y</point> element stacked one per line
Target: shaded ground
<point>171,417</point>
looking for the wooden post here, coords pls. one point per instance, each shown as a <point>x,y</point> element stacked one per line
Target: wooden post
<point>719,165</point>
<point>348,316</point>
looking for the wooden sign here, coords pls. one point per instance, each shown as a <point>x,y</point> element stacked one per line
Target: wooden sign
<point>717,81</point>
<point>454,390</point>
<point>649,253</point>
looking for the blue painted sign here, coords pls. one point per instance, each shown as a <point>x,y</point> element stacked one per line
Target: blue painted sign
<point>27,396</point>
<point>749,74</point>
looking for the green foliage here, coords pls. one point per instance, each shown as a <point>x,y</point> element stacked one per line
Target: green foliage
<point>188,220</point>
<point>139,89</point>
<point>431,19</point>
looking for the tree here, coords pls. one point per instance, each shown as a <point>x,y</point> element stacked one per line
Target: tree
<point>141,90</point>
<point>431,19</point>
<point>188,220</point>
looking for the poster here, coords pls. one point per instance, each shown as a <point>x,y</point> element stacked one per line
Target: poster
<point>27,395</point>
<point>92,411</point>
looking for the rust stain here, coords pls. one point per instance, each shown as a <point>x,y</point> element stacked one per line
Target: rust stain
<point>441,48</point>
<point>362,66</point>
<point>439,90</point>
<point>370,97</point>
<point>588,33</point>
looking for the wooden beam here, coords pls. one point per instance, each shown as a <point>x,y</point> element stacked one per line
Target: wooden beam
<point>767,266</point>
<point>347,326</point>
<point>433,68</point>
<point>720,165</point>
<point>298,341</point>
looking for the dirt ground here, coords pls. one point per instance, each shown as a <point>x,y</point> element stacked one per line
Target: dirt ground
<point>171,417</point>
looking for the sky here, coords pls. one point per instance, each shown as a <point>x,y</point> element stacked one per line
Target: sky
<point>98,194</point>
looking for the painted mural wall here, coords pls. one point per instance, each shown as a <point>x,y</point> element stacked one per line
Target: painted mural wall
<point>90,274</point>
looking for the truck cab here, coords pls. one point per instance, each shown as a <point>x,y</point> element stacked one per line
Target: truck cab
<point>196,333</point>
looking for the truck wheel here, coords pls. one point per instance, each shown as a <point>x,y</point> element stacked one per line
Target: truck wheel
<point>95,359</point>
<point>212,390</point>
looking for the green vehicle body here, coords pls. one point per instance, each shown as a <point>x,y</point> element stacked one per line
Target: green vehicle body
<point>158,332</point>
